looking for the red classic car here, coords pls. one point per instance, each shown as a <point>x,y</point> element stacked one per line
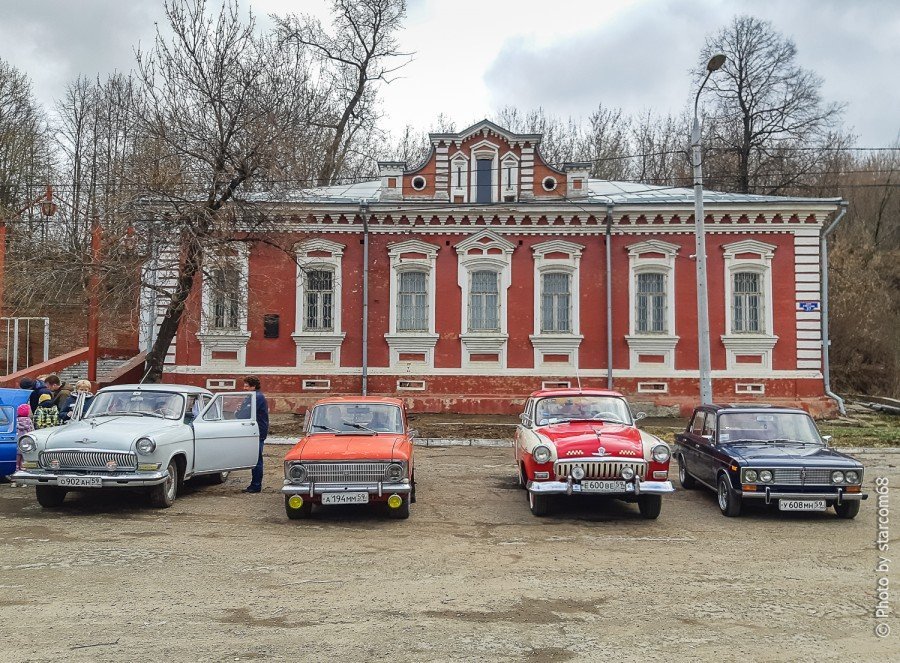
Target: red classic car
<point>584,441</point>
<point>354,450</point>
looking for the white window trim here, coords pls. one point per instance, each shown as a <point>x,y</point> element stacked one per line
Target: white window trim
<point>484,149</point>
<point>749,344</point>
<point>310,342</point>
<point>485,342</point>
<point>225,340</point>
<point>549,343</point>
<point>416,342</point>
<point>650,343</point>
<point>459,160</point>
<point>509,160</point>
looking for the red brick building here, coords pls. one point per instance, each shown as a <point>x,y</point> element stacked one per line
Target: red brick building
<point>487,279</point>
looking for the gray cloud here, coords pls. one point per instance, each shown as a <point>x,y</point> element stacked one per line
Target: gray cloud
<point>642,59</point>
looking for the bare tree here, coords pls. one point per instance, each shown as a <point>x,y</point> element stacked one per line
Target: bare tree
<point>361,50</point>
<point>24,154</point>
<point>765,104</point>
<point>218,101</point>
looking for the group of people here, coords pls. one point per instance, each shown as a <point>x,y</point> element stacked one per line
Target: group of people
<point>51,402</point>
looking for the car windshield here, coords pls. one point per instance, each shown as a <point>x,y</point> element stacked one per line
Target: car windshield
<point>162,404</point>
<point>358,418</point>
<point>557,409</point>
<point>768,428</point>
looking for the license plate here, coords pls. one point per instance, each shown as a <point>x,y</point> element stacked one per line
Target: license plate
<point>603,486</point>
<point>80,482</point>
<point>801,505</point>
<point>345,498</point>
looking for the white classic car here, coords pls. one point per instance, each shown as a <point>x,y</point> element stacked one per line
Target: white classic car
<point>142,436</point>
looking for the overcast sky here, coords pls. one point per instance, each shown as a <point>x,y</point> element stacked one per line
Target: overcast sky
<point>473,56</point>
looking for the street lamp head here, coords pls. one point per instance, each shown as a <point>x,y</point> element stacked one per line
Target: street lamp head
<point>715,62</point>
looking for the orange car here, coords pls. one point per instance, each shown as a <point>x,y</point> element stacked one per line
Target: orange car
<point>354,450</point>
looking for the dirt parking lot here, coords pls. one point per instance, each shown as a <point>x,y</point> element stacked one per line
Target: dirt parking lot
<point>472,575</point>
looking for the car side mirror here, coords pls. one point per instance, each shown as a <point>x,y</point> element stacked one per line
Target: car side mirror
<point>827,439</point>
<point>525,420</point>
<point>412,417</point>
<point>709,438</point>
<point>413,434</point>
<point>640,415</point>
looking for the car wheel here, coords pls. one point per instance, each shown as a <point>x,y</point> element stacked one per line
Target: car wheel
<point>684,478</point>
<point>163,495</point>
<point>401,512</point>
<point>729,503</point>
<point>650,506</point>
<point>218,478</point>
<point>847,509</point>
<point>539,504</point>
<point>302,512</point>
<point>50,497</point>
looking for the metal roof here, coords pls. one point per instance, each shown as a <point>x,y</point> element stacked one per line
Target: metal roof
<point>600,192</point>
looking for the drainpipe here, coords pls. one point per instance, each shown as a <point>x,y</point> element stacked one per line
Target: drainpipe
<point>826,341</point>
<point>364,212</point>
<point>609,332</point>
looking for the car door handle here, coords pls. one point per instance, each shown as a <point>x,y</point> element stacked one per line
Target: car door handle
<point>247,423</point>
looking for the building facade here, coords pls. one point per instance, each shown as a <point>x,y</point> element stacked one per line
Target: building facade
<point>492,273</point>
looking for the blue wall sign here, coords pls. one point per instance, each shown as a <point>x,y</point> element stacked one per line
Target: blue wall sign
<point>808,306</point>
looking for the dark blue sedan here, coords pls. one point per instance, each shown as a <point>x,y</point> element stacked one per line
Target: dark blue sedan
<point>769,455</point>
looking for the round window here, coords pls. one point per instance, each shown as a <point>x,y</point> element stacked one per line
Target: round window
<point>418,183</point>
<point>549,183</point>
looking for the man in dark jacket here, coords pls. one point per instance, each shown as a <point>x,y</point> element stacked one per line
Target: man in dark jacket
<point>37,389</point>
<point>58,390</point>
<point>251,383</point>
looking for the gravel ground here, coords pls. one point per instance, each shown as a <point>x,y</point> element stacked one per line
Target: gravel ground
<point>224,576</point>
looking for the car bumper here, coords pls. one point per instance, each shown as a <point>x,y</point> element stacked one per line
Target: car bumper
<point>571,488</point>
<point>377,489</point>
<point>777,494</point>
<point>123,480</point>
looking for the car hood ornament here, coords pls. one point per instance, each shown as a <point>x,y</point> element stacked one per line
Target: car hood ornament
<point>601,451</point>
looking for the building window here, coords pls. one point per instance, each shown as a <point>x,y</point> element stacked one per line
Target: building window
<point>650,303</point>
<point>412,302</point>
<point>319,314</point>
<point>747,303</point>
<point>483,180</point>
<point>556,303</point>
<point>484,302</point>
<point>225,286</point>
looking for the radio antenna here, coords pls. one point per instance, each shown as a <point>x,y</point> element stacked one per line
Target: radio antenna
<point>578,377</point>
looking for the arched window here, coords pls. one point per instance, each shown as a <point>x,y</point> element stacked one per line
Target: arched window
<point>556,302</point>
<point>412,302</point>
<point>747,304</point>
<point>484,302</point>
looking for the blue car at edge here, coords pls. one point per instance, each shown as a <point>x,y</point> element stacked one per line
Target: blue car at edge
<point>10,400</point>
<point>753,453</point>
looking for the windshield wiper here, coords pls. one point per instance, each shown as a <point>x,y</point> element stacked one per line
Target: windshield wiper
<point>785,440</point>
<point>360,427</point>
<point>324,427</point>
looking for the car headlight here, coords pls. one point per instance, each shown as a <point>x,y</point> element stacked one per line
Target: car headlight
<point>393,472</point>
<point>297,473</point>
<point>750,476</point>
<point>27,444</point>
<point>145,446</point>
<point>837,477</point>
<point>851,476</point>
<point>627,473</point>
<point>541,454</point>
<point>661,453</point>
<point>765,476</point>
<point>578,473</point>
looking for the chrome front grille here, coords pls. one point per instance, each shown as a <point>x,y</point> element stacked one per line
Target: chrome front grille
<point>797,476</point>
<point>89,460</point>
<point>345,472</point>
<point>600,469</point>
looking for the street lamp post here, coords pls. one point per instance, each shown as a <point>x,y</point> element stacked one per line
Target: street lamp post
<point>714,63</point>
